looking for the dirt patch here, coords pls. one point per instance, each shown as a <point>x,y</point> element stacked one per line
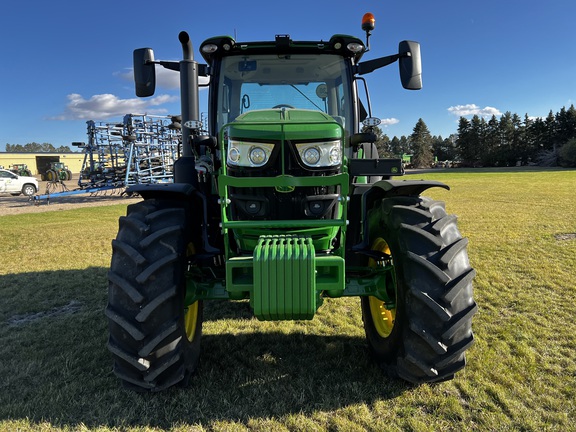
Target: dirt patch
<point>565,236</point>
<point>11,205</point>
<point>17,205</point>
<point>19,320</point>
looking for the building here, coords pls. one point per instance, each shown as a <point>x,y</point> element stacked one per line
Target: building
<point>38,163</point>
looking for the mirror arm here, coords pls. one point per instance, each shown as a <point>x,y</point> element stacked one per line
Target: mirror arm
<point>175,66</point>
<point>371,65</point>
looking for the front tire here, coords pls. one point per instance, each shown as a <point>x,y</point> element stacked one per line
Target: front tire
<point>29,190</point>
<point>154,337</point>
<point>424,336</point>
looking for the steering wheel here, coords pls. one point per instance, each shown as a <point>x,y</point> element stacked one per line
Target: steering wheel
<point>282,106</point>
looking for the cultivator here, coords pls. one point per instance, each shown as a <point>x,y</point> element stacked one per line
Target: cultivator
<point>104,156</point>
<point>153,147</point>
<point>140,150</point>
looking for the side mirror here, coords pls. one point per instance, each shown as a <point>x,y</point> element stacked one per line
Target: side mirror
<point>410,65</point>
<point>144,72</point>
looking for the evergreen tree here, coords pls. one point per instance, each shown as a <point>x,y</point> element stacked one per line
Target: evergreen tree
<point>529,146</point>
<point>421,141</point>
<point>567,154</point>
<point>551,142</point>
<point>566,125</point>
<point>405,145</point>
<point>507,155</point>
<point>444,149</point>
<point>35,147</point>
<point>491,143</point>
<point>518,144</point>
<point>382,141</point>
<point>48,148</point>
<point>463,143</point>
<point>477,139</point>
<point>506,141</point>
<point>396,146</point>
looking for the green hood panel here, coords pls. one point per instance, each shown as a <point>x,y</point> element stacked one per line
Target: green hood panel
<point>279,115</point>
<point>291,124</point>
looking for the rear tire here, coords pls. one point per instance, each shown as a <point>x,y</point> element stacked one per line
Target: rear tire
<point>154,337</point>
<point>425,336</point>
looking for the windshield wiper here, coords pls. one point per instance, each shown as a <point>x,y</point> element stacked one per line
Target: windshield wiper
<point>309,100</point>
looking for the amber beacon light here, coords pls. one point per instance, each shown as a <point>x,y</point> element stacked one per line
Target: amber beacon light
<point>368,22</point>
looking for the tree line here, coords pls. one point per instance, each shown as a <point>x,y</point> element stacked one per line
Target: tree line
<point>505,141</point>
<point>35,147</point>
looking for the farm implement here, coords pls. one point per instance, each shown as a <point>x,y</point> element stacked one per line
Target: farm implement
<point>139,150</point>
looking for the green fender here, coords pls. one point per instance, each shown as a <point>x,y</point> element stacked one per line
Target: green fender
<point>386,189</point>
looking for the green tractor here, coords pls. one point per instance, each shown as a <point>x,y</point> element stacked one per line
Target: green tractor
<point>283,201</point>
<point>21,169</point>
<point>58,172</point>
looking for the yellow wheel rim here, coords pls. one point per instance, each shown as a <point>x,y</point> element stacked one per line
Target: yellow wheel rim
<point>382,317</point>
<point>191,317</point>
<point>191,320</point>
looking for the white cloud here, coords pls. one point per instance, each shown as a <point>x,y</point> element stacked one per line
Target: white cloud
<point>389,122</point>
<point>105,106</point>
<point>473,109</point>
<point>167,79</point>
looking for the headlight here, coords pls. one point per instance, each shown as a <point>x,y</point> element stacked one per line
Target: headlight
<point>320,154</point>
<point>311,156</point>
<point>248,154</point>
<point>257,156</point>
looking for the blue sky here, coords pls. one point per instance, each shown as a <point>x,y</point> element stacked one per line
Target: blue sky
<point>66,62</point>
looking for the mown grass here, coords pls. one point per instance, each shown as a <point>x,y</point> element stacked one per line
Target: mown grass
<point>55,373</point>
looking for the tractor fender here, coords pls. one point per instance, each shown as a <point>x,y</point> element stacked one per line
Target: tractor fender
<point>386,189</point>
<point>179,191</point>
<point>391,188</point>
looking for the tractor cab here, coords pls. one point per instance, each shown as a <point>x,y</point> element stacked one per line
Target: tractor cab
<point>283,75</point>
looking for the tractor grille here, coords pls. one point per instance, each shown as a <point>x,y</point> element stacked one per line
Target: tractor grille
<point>270,203</point>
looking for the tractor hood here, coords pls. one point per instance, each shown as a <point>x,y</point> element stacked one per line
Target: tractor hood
<point>285,123</point>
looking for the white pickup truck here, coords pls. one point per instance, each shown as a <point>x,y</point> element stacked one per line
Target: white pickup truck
<point>16,184</point>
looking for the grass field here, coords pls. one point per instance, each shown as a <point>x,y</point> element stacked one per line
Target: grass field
<point>56,374</point>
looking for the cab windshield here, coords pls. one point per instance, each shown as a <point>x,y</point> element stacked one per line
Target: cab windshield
<point>303,81</point>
